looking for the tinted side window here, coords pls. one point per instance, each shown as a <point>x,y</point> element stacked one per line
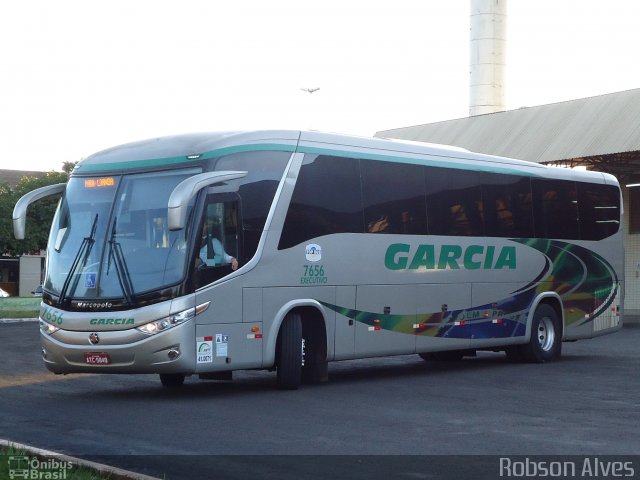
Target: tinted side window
<point>599,208</point>
<point>394,198</point>
<point>454,202</point>
<point>256,190</point>
<point>326,200</point>
<point>507,206</point>
<point>555,209</point>
<point>633,207</point>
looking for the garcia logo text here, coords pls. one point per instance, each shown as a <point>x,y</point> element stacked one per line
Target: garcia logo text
<point>401,256</point>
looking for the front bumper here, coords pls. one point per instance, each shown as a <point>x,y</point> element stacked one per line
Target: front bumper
<point>129,351</point>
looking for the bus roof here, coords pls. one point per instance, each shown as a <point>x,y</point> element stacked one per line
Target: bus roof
<point>178,149</point>
<point>173,151</point>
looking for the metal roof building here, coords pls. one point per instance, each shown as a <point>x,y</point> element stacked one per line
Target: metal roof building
<point>601,133</point>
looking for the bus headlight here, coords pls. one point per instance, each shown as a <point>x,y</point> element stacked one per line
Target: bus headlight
<point>48,328</point>
<point>158,326</point>
<point>166,323</point>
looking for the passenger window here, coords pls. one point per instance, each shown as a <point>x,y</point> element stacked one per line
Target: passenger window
<point>326,200</point>
<point>599,208</point>
<point>507,206</point>
<point>454,202</point>
<point>555,208</point>
<point>394,198</point>
<point>257,190</point>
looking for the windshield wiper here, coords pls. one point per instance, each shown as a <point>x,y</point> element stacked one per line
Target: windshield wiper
<point>124,277</point>
<point>81,258</point>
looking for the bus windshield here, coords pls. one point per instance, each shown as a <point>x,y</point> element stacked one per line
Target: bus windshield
<point>109,238</point>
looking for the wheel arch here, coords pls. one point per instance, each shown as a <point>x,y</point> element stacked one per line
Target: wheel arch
<point>314,319</point>
<point>554,301</point>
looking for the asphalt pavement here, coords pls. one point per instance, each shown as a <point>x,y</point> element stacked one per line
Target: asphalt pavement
<point>390,417</point>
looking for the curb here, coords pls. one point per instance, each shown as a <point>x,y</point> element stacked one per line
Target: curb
<point>17,320</point>
<point>114,473</point>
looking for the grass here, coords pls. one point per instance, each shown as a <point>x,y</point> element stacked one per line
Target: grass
<point>19,307</point>
<point>45,468</point>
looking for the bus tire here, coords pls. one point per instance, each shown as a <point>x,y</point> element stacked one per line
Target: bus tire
<point>171,380</point>
<point>545,343</point>
<point>289,353</point>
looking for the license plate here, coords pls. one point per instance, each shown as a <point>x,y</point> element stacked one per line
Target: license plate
<point>97,358</point>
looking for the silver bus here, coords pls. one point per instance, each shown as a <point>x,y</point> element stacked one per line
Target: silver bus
<point>283,250</point>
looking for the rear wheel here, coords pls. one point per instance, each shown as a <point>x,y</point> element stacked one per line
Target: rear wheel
<point>545,343</point>
<point>289,353</point>
<point>171,380</point>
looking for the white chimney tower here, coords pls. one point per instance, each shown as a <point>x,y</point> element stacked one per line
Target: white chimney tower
<point>487,61</point>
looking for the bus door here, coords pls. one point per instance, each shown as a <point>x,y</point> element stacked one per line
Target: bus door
<point>220,331</point>
<point>218,245</point>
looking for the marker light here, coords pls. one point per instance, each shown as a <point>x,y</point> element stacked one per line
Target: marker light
<point>166,323</point>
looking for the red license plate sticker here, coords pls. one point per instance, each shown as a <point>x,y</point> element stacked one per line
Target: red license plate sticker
<point>96,358</point>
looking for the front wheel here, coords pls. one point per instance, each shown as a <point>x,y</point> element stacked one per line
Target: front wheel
<point>545,343</point>
<point>289,353</point>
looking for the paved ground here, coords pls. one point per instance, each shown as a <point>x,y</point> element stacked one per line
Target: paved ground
<point>401,407</point>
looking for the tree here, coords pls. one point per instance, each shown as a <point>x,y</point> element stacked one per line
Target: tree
<point>67,167</point>
<point>39,215</point>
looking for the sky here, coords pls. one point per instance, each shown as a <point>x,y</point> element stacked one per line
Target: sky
<point>79,76</point>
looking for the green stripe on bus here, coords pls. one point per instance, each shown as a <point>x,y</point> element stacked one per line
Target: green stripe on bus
<point>430,162</point>
<point>171,161</point>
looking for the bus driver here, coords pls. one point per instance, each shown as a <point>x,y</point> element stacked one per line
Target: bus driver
<point>212,252</point>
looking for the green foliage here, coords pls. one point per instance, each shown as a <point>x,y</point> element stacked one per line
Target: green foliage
<point>67,167</point>
<point>39,215</point>
<point>19,307</point>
